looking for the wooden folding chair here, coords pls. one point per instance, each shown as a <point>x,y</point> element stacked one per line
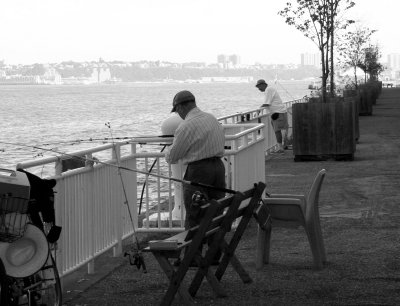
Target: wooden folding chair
<point>217,221</point>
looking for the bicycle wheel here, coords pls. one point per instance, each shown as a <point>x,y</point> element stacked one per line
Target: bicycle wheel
<point>42,288</point>
<point>3,285</point>
<point>47,287</point>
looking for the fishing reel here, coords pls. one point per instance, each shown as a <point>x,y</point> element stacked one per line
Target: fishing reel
<point>136,259</point>
<point>194,213</point>
<point>199,199</point>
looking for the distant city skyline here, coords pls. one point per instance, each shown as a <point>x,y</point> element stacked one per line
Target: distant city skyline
<point>48,31</point>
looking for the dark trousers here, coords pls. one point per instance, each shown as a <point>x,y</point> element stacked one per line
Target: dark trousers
<point>210,171</point>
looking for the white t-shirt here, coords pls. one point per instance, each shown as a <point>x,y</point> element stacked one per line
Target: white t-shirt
<point>273,101</point>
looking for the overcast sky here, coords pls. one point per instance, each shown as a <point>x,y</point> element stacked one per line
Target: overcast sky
<point>43,31</point>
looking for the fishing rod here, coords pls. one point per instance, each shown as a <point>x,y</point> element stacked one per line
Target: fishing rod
<point>285,90</point>
<point>144,184</point>
<point>136,255</point>
<point>277,82</point>
<point>105,139</point>
<point>84,158</point>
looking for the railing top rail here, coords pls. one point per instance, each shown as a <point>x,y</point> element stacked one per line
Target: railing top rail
<point>62,155</point>
<point>248,128</point>
<point>259,112</point>
<point>156,139</point>
<point>253,127</point>
<point>239,114</point>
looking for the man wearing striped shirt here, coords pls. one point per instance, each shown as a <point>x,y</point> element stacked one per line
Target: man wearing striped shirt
<point>198,142</point>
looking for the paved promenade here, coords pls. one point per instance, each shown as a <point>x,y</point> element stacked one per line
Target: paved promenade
<point>360,210</point>
<point>353,188</point>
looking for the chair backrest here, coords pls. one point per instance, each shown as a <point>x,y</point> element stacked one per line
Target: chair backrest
<point>230,207</point>
<point>313,195</point>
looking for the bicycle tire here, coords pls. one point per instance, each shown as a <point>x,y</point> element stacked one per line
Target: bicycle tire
<point>41,288</point>
<point>3,285</point>
<point>49,292</point>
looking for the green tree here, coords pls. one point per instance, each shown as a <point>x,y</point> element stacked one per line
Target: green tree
<point>317,20</point>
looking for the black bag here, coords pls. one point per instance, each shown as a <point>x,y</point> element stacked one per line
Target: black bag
<point>275,116</point>
<point>41,204</point>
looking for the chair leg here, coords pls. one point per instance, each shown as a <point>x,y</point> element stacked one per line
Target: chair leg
<point>315,247</point>
<point>320,239</point>
<point>263,247</point>
<point>267,245</point>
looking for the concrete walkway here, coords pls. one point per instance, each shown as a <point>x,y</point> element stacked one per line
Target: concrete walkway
<point>368,186</point>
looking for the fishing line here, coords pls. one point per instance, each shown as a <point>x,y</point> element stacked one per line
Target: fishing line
<point>277,82</point>
<point>40,154</point>
<point>144,184</point>
<point>137,256</point>
<point>104,140</point>
<point>285,90</point>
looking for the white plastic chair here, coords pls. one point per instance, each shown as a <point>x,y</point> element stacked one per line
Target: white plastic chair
<point>288,210</point>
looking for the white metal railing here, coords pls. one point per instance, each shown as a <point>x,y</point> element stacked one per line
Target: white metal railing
<point>261,115</point>
<point>91,205</point>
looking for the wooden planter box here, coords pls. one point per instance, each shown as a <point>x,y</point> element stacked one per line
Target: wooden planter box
<point>376,87</point>
<point>353,96</point>
<point>366,101</point>
<point>323,131</point>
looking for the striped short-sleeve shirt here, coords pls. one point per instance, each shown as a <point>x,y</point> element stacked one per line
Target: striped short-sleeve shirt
<point>198,137</point>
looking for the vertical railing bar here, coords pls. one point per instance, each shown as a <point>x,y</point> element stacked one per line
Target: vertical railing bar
<point>135,182</point>
<point>169,189</point>
<point>183,216</point>
<point>170,208</point>
<point>158,195</point>
<point>117,250</point>
<point>147,193</point>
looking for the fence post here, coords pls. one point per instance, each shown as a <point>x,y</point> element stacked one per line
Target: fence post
<point>60,209</point>
<point>117,249</point>
<point>89,165</point>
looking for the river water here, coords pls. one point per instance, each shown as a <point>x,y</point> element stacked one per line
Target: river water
<point>55,116</point>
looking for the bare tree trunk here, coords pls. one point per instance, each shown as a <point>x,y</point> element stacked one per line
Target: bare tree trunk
<point>332,41</point>
<point>355,76</point>
<point>327,71</point>
<point>324,76</point>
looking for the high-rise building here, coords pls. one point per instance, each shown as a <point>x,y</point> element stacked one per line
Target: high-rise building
<point>311,59</point>
<point>222,59</point>
<point>234,59</point>
<point>394,61</point>
<point>228,61</point>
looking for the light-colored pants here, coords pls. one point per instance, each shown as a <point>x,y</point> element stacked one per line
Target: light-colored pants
<point>281,123</point>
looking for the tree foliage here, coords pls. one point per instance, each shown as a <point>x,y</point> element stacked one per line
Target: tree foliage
<point>317,20</point>
<point>352,49</point>
<point>370,62</point>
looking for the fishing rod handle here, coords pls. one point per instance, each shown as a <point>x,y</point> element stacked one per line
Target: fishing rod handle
<point>211,187</point>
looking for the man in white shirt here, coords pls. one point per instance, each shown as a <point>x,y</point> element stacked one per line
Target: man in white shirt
<point>275,106</point>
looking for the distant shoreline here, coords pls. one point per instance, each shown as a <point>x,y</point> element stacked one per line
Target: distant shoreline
<point>148,82</point>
